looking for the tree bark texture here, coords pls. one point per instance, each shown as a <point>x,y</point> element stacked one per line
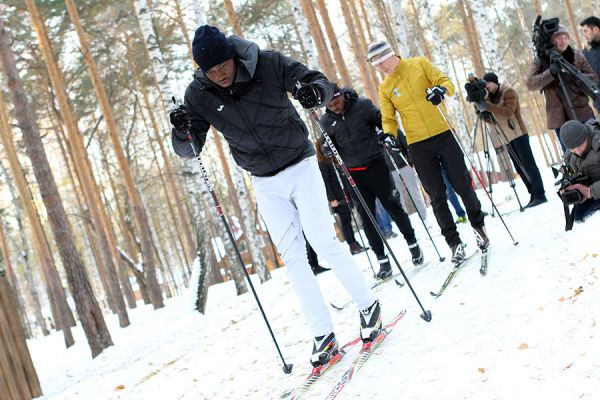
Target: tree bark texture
<point>89,312</point>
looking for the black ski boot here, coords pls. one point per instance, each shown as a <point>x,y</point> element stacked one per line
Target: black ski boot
<point>385,269</point>
<point>370,322</point>
<point>324,347</point>
<point>417,254</point>
<point>458,253</point>
<point>483,242</point>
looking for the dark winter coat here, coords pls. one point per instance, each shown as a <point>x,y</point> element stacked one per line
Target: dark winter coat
<point>540,78</point>
<point>332,185</point>
<point>256,117</point>
<point>589,162</point>
<point>353,132</point>
<point>592,54</point>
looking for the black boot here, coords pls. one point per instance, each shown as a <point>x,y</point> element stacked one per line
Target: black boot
<point>417,254</point>
<point>356,248</point>
<point>483,242</point>
<point>458,253</point>
<point>317,269</point>
<point>370,322</point>
<point>385,269</point>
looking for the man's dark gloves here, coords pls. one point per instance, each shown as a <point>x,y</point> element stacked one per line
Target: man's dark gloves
<point>554,68</point>
<point>180,119</point>
<point>308,95</point>
<point>385,139</point>
<point>436,95</point>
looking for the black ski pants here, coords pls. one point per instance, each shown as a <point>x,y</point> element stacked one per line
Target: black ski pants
<point>531,176</point>
<point>427,156</point>
<point>344,212</point>
<point>375,182</point>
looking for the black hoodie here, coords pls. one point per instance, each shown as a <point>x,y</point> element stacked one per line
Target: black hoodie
<point>256,117</point>
<point>353,132</point>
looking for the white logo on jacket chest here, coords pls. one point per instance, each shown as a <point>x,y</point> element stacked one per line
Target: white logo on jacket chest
<point>397,92</point>
<point>220,107</point>
<point>334,122</point>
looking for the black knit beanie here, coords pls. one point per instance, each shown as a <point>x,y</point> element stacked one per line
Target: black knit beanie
<point>491,77</point>
<point>210,47</point>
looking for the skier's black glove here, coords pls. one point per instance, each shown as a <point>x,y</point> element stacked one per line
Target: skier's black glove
<point>385,139</point>
<point>308,95</point>
<point>436,95</point>
<point>554,68</point>
<point>180,119</point>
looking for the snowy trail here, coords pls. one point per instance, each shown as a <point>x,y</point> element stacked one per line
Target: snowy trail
<point>526,330</point>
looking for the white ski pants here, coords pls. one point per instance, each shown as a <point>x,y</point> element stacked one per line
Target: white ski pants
<point>293,201</point>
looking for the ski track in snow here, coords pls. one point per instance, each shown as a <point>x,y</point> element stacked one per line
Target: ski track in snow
<point>525,330</point>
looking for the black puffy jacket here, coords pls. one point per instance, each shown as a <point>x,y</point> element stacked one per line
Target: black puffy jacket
<point>255,115</point>
<point>353,132</point>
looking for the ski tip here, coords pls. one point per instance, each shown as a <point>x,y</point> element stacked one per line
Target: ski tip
<point>435,294</point>
<point>400,284</point>
<point>336,307</point>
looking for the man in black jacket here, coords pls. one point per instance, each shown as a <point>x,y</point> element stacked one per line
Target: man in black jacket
<point>591,32</point>
<point>243,92</point>
<point>352,123</point>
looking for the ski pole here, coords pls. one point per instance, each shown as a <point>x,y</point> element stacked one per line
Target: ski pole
<point>448,122</point>
<point>387,151</point>
<point>287,368</point>
<point>426,315</point>
<point>347,200</point>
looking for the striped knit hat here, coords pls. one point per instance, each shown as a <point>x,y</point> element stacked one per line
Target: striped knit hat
<point>379,52</point>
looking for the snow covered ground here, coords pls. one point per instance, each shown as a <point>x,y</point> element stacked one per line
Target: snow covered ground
<point>527,330</point>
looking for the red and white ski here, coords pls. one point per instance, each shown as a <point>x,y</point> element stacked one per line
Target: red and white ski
<point>363,355</point>
<point>318,372</point>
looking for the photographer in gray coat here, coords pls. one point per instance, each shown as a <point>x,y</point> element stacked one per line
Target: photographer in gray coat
<point>583,156</point>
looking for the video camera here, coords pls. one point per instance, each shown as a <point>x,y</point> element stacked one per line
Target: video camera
<point>542,36</point>
<point>476,89</point>
<point>568,178</point>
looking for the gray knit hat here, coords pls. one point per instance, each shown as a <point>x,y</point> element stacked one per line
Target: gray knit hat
<point>561,29</point>
<point>573,134</point>
<point>379,52</point>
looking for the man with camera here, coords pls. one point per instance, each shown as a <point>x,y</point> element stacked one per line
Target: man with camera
<point>583,159</point>
<point>591,32</point>
<point>413,87</point>
<point>503,104</point>
<point>569,102</point>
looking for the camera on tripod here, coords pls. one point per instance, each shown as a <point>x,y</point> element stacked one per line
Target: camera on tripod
<point>476,89</point>
<point>568,178</point>
<point>542,35</point>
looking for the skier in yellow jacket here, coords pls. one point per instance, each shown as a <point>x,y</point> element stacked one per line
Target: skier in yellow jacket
<point>430,142</point>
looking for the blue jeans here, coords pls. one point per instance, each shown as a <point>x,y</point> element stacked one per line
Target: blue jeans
<point>452,197</point>
<point>383,218</point>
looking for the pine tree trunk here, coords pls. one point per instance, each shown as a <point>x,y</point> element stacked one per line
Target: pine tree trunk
<point>337,53</point>
<point>13,281</point>
<point>473,42</point>
<point>139,214</point>
<point>486,29</point>
<point>234,19</point>
<point>399,27</point>
<point>306,40</point>
<point>56,296</point>
<point>90,315</point>
<point>327,65</point>
<point>359,53</point>
<point>573,24</point>
<point>360,32</point>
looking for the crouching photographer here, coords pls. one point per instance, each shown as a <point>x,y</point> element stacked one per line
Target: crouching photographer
<point>580,183</point>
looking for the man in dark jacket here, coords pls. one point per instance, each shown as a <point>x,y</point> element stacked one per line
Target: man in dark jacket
<point>243,92</point>
<point>591,32</point>
<point>583,142</point>
<point>352,123</point>
<point>544,78</point>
